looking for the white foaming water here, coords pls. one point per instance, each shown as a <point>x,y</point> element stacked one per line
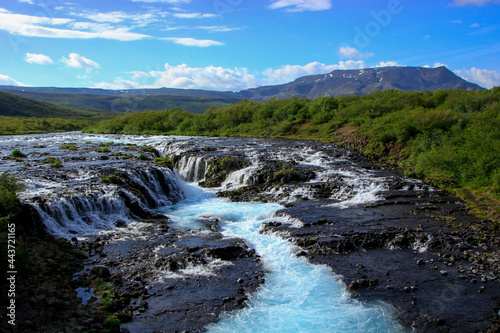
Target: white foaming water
<point>192,168</point>
<point>241,178</point>
<point>82,216</point>
<point>297,296</point>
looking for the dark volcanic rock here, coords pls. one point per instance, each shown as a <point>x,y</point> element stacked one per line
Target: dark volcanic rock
<point>173,281</point>
<point>410,258</point>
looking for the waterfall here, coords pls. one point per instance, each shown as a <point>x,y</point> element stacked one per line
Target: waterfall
<point>72,213</point>
<point>193,168</point>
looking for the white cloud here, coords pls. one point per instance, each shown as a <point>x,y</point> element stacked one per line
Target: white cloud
<point>218,28</point>
<point>474,25</point>
<point>485,78</point>
<point>8,81</point>
<point>289,73</point>
<point>186,41</point>
<point>35,26</point>
<point>351,52</point>
<point>92,26</point>
<point>26,1</point>
<point>40,59</point>
<point>117,84</point>
<point>77,61</point>
<point>438,64</point>
<point>301,5</point>
<point>211,78</point>
<point>388,64</point>
<point>186,77</point>
<point>193,15</point>
<point>110,17</point>
<point>473,2</point>
<point>119,16</point>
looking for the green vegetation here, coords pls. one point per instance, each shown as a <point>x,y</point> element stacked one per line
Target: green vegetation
<point>448,137</point>
<point>20,115</point>
<point>57,164</point>
<point>9,187</point>
<point>69,146</point>
<point>17,153</point>
<point>128,103</point>
<point>219,168</point>
<point>103,150</point>
<point>17,106</point>
<point>167,161</point>
<point>112,179</point>
<point>112,325</point>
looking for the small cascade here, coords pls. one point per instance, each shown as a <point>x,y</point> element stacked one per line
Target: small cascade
<point>160,187</point>
<point>70,212</point>
<point>241,178</point>
<point>83,215</point>
<point>193,168</point>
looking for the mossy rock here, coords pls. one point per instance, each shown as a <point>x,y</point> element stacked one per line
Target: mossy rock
<point>219,168</point>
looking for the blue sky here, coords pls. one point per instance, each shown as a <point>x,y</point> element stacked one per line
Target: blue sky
<point>238,44</point>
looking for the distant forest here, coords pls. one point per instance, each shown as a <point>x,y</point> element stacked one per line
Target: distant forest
<point>448,137</point>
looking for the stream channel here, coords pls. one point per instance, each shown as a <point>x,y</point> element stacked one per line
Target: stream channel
<point>220,243</point>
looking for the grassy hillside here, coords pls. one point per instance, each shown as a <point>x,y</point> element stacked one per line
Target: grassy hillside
<point>128,103</point>
<point>448,137</point>
<point>20,115</point>
<point>16,106</point>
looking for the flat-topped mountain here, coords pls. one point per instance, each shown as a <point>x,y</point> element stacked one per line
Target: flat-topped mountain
<point>364,81</point>
<point>336,83</point>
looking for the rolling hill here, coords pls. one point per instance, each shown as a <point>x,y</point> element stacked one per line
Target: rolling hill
<point>336,83</point>
<point>17,106</point>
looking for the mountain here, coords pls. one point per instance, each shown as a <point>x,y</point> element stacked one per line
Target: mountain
<point>16,106</point>
<point>113,100</point>
<point>364,81</point>
<point>336,83</point>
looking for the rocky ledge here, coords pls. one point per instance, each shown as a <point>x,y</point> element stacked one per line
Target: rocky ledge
<point>154,278</point>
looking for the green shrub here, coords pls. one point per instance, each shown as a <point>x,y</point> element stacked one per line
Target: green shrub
<point>17,153</point>
<point>9,187</point>
<point>112,325</point>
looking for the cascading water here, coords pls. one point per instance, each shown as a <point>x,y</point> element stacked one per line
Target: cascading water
<point>297,296</point>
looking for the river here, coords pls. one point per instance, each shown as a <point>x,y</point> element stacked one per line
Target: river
<point>297,296</point>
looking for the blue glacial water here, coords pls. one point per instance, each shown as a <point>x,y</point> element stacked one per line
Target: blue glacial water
<point>297,296</point>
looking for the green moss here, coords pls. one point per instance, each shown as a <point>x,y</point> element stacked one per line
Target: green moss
<point>128,156</point>
<point>57,164</point>
<point>165,161</point>
<point>112,179</point>
<point>69,146</point>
